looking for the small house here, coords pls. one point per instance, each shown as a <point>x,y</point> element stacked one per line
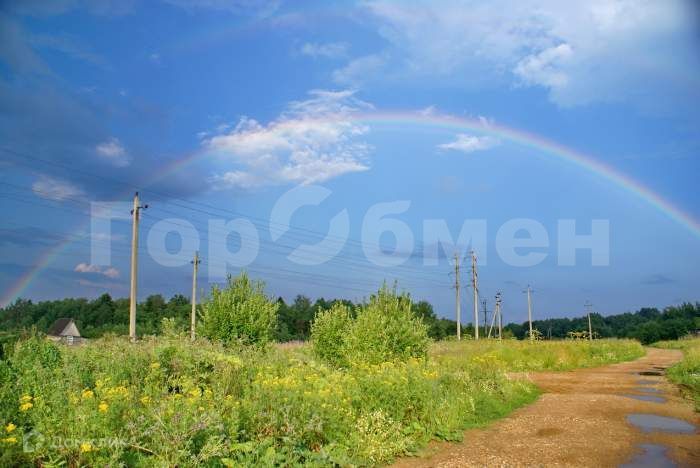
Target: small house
<point>65,331</point>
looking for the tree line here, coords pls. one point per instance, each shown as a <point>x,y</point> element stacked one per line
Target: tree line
<point>104,314</point>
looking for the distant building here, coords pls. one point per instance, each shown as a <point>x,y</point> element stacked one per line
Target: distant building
<point>65,331</point>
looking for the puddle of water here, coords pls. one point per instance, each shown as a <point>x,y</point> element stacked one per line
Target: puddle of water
<point>652,422</point>
<point>648,390</point>
<point>651,398</point>
<point>647,381</point>
<point>653,456</point>
<point>648,373</point>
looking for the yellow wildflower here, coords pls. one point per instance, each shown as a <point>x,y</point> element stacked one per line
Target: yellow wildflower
<point>103,407</point>
<point>177,395</point>
<point>25,399</point>
<point>194,393</point>
<point>85,447</point>
<point>87,393</point>
<point>155,365</point>
<point>145,400</point>
<point>10,440</point>
<point>25,406</point>
<point>10,427</point>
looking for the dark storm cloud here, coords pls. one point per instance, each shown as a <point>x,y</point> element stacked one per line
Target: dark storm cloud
<point>42,119</point>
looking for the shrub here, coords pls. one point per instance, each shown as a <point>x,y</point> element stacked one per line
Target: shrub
<point>386,330</point>
<point>328,333</point>
<point>686,373</point>
<point>240,312</point>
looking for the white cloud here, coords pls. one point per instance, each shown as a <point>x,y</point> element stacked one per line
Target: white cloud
<point>329,50</point>
<point>311,141</point>
<point>359,70</point>
<point>113,151</point>
<point>547,67</point>
<point>86,268</point>
<point>581,52</point>
<point>470,143</point>
<point>109,272</point>
<point>55,189</point>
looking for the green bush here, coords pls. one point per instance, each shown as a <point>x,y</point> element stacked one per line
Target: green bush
<point>328,333</point>
<point>239,313</point>
<point>686,373</point>
<point>386,329</point>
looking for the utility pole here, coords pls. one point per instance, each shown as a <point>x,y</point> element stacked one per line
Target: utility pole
<point>475,286</point>
<point>135,212</point>
<point>500,316</point>
<point>496,318</point>
<point>588,306</point>
<point>195,266</point>
<point>483,304</point>
<point>529,308</point>
<point>458,311</point>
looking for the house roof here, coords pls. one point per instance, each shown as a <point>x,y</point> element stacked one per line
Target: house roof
<point>58,326</point>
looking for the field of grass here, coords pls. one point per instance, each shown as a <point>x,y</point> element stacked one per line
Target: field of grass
<point>166,401</point>
<point>687,372</point>
<point>518,356</point>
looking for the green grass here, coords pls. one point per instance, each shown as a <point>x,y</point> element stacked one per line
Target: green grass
<point>686,373</point>
<point>518,356</point>
<point>166,401</point>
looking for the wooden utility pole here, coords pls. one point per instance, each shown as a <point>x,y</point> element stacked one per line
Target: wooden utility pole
<point>486,318</point>
<point>195,267</point>
<point>458,311</point>
<point>588,306</point>
<point>496,317</point>
<point>529,308</point>
<point>500,316</point>
<point>135,213</point>
<point>475,287</point>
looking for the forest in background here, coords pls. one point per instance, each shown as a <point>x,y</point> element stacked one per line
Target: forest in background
<point>107,315</point>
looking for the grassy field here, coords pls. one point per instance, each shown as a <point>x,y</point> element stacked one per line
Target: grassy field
<point>166,401</point>
<point>687,372</point>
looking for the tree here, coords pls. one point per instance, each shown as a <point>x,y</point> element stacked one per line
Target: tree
<point>240,312</point>
<point>386,329</point>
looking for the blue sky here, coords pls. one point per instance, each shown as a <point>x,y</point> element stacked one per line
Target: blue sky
<point>98,99</point>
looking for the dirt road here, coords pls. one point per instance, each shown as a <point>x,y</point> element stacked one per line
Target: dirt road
<point>582,420</point>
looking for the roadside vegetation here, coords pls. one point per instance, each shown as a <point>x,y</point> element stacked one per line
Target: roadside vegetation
<point>369,386</point>
<point>521,356</point>
<point>686,373</point>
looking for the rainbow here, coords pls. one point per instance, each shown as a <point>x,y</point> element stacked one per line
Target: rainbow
<point>520,137</point>
<point>425,119</point>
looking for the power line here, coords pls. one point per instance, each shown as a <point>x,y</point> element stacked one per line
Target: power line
<point>341,259</point>
<point>173,197</point>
